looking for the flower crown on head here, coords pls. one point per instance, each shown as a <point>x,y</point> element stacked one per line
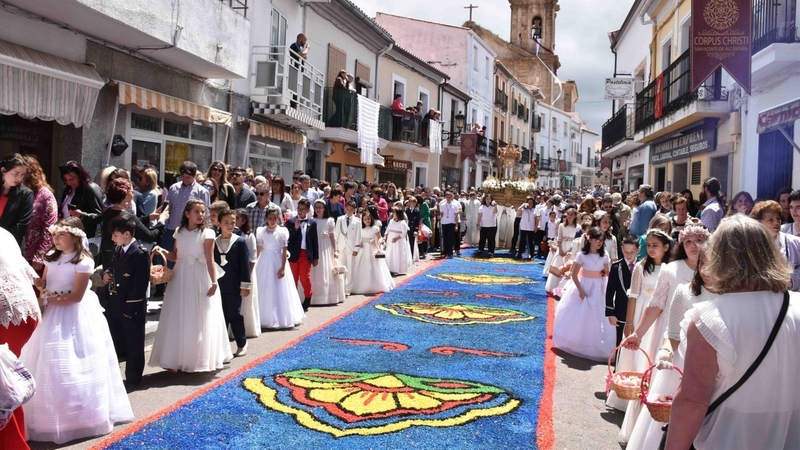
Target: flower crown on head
<point>693,229</point>
<point>658,232</point>
<point>66,229</point>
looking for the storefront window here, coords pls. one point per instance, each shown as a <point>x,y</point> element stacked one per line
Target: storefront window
<point>177,129</point>
<point>265,156</point>
<point>146,123</point>
<point>359,173</point>
<point>202,133</point>
<point>167,143</point>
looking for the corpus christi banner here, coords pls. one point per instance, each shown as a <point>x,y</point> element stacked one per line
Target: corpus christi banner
<point>721,37</point>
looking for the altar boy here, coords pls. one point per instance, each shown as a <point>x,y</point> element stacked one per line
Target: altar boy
<point>348,241</point>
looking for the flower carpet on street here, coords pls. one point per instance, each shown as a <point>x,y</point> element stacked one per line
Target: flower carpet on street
<point>454,358</point>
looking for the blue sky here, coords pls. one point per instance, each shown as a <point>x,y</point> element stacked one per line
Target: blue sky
<point>582,28</point>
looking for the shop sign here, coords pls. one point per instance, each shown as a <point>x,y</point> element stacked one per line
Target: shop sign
<point>783,115</point>
<point>698,140</point>
<point>636,172</point>
<point>721,37</point>
<point>399,165</point>
<point>19,132</point>
<point>619,89</point>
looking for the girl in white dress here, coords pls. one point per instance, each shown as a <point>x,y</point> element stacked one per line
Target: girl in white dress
<point>566,233</point>
<point>278,300</point>
<point>191,334</point>
<point>370,274</point>
<point>328,287</point>
<point>79,389</point>
<point>252,318</point>
<point>647,432</point>
<point>398,251</point>
<point>580,326</point>
<point>643,283</point>
<point>603,221</point>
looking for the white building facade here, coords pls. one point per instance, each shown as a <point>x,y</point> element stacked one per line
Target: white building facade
<point>466,59</point>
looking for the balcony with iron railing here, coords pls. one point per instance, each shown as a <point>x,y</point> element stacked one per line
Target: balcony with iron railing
<point>340,113</point>
<point>620,127</point>
<point>501,99</point>
<point>525,157</point>
<point>774,22</point>
<point>549,164</point>
<point>288,89</point>
<point>676,97</point>
<point>578,158</point>
<point>486,147</point>
<point>536,123</point>
<point>240,6</point>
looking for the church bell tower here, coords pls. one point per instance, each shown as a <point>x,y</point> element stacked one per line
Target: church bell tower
<point>532,21</point>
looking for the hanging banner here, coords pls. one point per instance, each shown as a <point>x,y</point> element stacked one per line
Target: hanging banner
<point>469,146</point>
<point>721,37</point>
<point>658,110</point>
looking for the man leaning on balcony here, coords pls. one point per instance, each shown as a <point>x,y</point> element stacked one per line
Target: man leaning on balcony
<point>646,211</point>
<point>300,47</point>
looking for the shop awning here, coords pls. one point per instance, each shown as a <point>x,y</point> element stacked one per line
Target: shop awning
<point>147,99</point>
<point>39,85</point>
<point>273,132</point>
<point>774,118</point>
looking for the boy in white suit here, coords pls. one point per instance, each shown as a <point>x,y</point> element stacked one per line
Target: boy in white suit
<point>348,241</point>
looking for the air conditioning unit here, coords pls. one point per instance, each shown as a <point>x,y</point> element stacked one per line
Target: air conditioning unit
<point>352,149</point>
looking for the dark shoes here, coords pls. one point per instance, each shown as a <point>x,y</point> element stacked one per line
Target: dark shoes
<point>306,304</point>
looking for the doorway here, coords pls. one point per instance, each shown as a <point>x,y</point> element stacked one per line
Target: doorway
<point>774,162</point>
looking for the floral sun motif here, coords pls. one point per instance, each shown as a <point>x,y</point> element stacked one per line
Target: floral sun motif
<point>455,313</point>
<point>482,278</point>
<point>721,14</point>
<point>363,403</point>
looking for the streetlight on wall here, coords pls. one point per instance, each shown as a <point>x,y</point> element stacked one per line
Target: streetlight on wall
<point>459,120</point>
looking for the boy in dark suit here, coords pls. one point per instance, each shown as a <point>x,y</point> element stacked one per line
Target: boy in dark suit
<point>128,281</point>
<point>232,254</point>
<point>303,247</point>
<point>619,282</point>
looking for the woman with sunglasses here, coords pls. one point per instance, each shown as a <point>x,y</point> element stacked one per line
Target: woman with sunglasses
<point>224,190</point>
<point>213,189</point>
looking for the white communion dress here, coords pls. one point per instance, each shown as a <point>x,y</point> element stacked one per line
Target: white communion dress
<point>370,274</point>
<point>191,334</point>
<point>581,327</point>
<point>642,288</point>
<point>278,301</point>
<point>328,288</point>
<point>250,312</point>
<point>398,254</point>
<point>79,389</point>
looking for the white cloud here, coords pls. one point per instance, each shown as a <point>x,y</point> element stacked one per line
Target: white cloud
<point>582,44</point>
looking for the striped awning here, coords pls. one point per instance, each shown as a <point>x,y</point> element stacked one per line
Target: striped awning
<point>272,132</point>
<point>147,99</point>
<point>35,84</point>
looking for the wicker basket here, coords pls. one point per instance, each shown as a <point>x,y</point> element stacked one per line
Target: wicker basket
<point>658,411</point>
<point>160,274</point>
<point>623,391</point>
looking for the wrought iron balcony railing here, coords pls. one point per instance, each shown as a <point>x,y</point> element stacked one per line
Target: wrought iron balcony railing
<point>619,127</point>
<point>774,22</point>
<point>676,92</point>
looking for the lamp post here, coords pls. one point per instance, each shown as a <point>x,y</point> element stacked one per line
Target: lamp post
<point>558,166</point>
<point>459,120</point>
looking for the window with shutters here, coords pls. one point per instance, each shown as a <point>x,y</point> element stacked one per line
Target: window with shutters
<point>362,71</point>
<point>337,60</point>
<point>696,175</point>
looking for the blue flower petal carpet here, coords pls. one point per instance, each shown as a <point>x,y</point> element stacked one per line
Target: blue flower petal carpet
<point>454,358</point>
